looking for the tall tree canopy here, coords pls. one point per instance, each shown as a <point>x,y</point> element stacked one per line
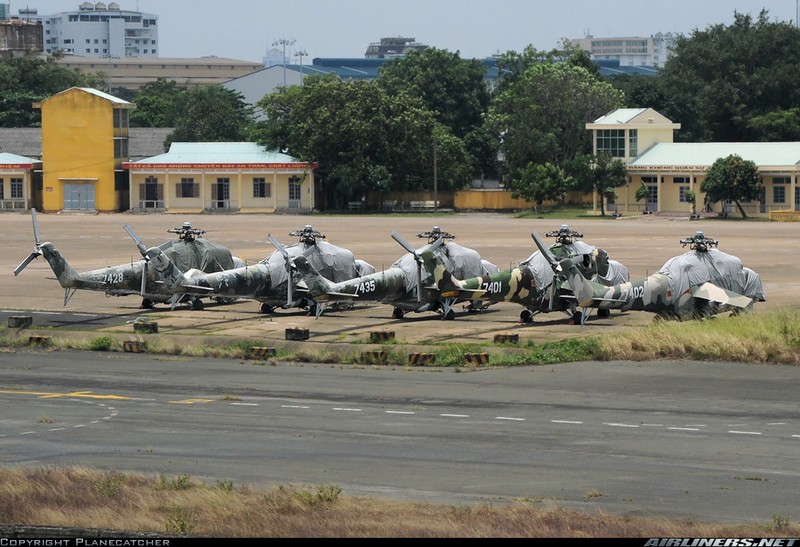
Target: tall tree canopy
<point>542,115</point>
<point>723,81</point>
<point>29,79</point>
<point>363,137</point>
<point>211,113</point>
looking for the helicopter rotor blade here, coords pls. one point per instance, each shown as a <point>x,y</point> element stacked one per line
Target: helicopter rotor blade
<point>37,245</point>
<point>288,264</point>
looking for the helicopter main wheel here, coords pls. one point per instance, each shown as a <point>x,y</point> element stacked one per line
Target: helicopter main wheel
<point>312,309</point>
<point>449,316</point>
<point>525,316</point>
<point>397,313</point>
<point>265,308</point>
<point>197,304</point>
<point>576,318</point>
<point>146,304</point>
<point>603,312</point>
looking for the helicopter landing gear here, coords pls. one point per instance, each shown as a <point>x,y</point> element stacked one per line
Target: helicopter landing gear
<point>265,308</point>
<point>146,304</point>
<point>197,304</point>
<point>603,312</point>
<point>397,313</point>
<point>576,318</point>
<point>525,316</point>
<point>449,315</point>
<point>312,310</point>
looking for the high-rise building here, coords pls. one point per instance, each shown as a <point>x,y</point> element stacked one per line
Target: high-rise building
<point>100,30</point>
<point>629,50</point>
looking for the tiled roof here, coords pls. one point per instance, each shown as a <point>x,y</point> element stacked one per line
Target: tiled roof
<point>144,142</point>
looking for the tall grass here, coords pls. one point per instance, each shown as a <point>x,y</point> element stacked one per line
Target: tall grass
<point>78,497</point>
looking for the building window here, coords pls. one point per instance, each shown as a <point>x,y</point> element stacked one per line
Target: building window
<point>682,190</point>
<point>16,188</point>
<point>187,188</point>
<point>261,189</point>
<point>633,143</point>
<point>680,180</point>
<point>121,118</point>
<point>778,194</point>
<point>2,190</point>
<point>121,147</point>
<point>781,180</point>
<point>294,188</point>
<point>611,141</point>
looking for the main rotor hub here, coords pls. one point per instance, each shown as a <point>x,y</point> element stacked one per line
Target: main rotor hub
<point>436,233</point>
<point>308,235</point>
<point>699,242</point>
<point>564,235</point>
<point>186,232</point>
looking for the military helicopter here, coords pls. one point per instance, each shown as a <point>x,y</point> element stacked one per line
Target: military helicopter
<point>695,285</point>
<point>533,284</point>
<point>271,281</point>
<point>409,283</point>
<point>190,250</point>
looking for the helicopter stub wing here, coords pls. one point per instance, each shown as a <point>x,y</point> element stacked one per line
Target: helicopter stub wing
<point>714,293</point>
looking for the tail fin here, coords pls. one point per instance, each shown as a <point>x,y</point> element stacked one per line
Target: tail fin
<point>65,273</point>
<point>581,287</point>
<point>319,288</point>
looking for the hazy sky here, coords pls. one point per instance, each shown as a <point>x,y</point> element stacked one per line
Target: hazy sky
<point>245,29</point>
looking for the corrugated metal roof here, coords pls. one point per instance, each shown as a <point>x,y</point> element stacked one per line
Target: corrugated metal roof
<point>620,115</point>
<point>6,158</point>
<point>219,153</point>
<point>146,142</point>
<point>704,154</point>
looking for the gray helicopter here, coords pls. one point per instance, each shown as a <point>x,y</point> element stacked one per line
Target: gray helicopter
<point>189,251</point>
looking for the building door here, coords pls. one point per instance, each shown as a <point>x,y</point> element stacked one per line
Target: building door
<point>221,194</point>
<point>797,199</point>
<point>652,198</point>
<point>295,192</point>
<point>79,196</point>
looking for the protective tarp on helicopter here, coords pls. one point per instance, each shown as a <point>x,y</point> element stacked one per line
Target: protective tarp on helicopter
<point>201,254</point>
<point>332,262</point>
<point>461,261</point>
<point>712,266</point>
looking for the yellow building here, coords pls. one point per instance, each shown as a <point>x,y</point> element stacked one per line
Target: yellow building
<point>16,175</point>
<point>194,177</point>
<point>643,139</point>
<point>84,142</point>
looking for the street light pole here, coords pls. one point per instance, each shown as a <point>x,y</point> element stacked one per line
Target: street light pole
<point>302,53</point>
<point>284,42</point>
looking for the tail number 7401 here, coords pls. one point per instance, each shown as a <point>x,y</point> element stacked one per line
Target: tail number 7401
<point>492,287</point>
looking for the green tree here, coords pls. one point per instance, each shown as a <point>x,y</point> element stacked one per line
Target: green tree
<point>209,114</point>
<point>31,79</point>
<point>600,174</point>
<point>452,88</point>
<point>541,117</point>
<point>363,138</point>
<point>157,104</point>
<point>540,182</point>
<point>719,79</point>
<point>732,178</point>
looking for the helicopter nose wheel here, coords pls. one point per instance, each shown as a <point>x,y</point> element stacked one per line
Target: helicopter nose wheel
<point>397,313</point>
<point>603,312</point>
<point>146,304</point>
<point>265,308</point>
<point>525,316</point>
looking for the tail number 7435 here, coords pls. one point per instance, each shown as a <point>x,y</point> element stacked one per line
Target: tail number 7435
<point>366,286</point>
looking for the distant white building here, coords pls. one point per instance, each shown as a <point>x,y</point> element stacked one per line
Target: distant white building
<point>629,50</point>
<point>100,30</point>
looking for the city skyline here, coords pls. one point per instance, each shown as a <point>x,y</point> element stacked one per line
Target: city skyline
<point>245,31</point>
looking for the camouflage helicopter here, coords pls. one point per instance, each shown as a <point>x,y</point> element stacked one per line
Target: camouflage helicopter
<point>271,281</point>
<point>533,284</point>
<point>409,283</point>
<point>190,250</point>
<point>697,284</point>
